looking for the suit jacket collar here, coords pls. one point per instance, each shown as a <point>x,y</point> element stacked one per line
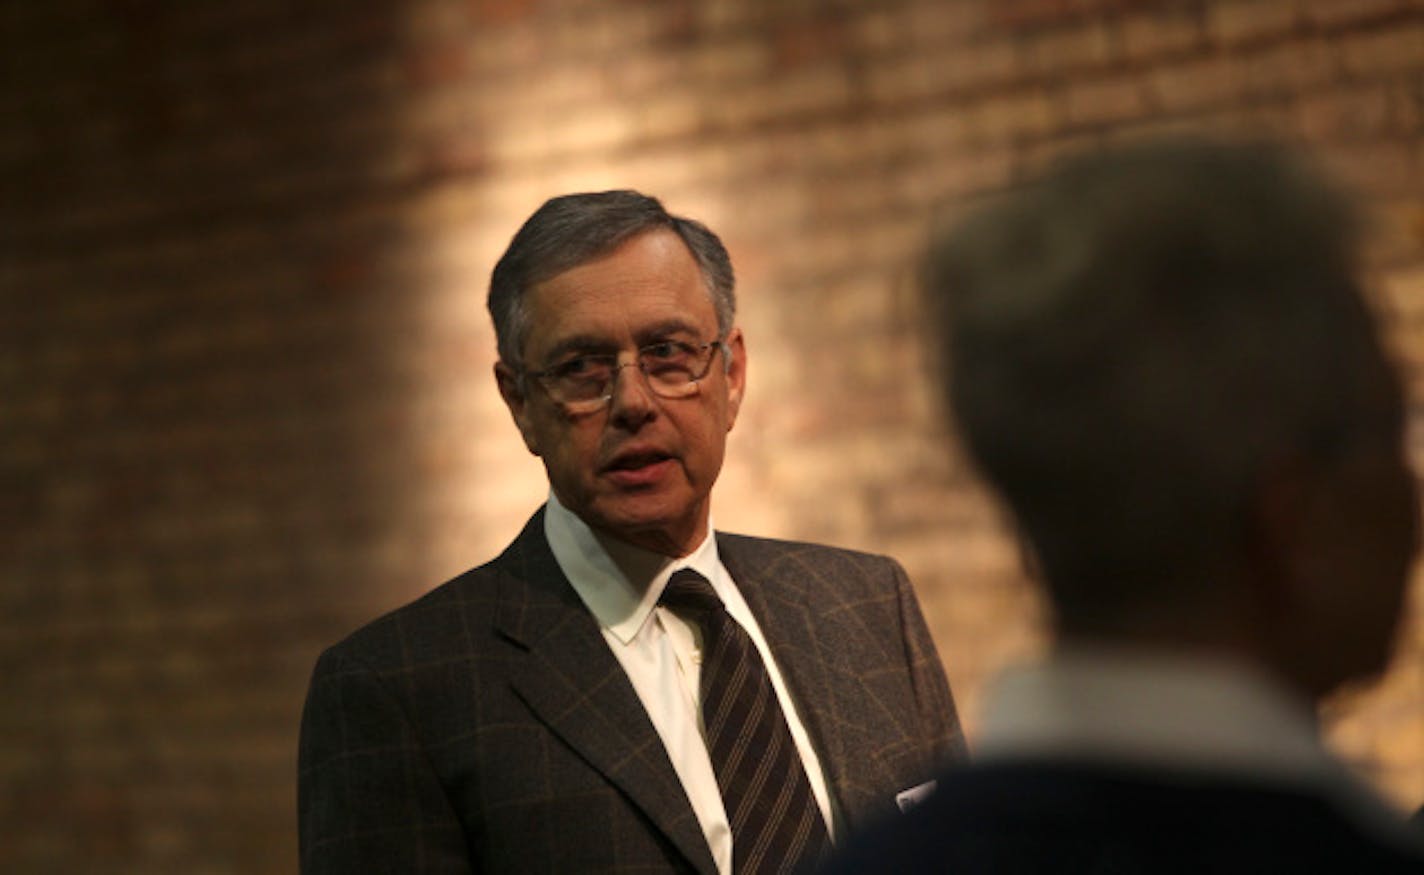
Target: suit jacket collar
<point>571,681</point>
<point>804,622</point>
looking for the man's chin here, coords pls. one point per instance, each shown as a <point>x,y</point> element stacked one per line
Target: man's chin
<point>652,522</point>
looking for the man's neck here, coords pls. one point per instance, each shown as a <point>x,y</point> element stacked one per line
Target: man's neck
<point>638,559</point>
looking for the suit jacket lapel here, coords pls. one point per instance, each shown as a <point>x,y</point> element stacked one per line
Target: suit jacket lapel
<point>572,682</point>
<point>803,627</point>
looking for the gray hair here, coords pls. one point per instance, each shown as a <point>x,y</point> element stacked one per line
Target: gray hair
<point>1132,341</point>
<point>570,230</point>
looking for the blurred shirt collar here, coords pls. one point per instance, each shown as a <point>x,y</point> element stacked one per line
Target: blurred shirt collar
<point>1149,709</point>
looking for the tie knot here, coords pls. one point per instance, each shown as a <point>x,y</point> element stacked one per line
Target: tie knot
<point>688,592</point>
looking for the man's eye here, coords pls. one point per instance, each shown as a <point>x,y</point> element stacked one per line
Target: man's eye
<point>579,366</point>
<point>666,351</point>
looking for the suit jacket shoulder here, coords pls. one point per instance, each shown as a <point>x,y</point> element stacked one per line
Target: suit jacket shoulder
<point>847,631</point>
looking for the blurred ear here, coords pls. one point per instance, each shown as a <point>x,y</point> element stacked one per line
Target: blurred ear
<point>1291,543</point>
<point>736,355</point>
<point>1293,592</point>
<point>518,404</point>
<point>1296,521</point>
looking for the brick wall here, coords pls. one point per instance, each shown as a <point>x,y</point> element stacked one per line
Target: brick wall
<point>245,400</point>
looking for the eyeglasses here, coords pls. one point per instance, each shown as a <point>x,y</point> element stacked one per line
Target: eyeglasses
<point>673,368</point>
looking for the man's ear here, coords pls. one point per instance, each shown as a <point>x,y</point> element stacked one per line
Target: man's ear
<point>514,398</point>
<point>736,355</point>
<point>1277,548</point>
<point>1288,582</point>
<point>1292,515</point>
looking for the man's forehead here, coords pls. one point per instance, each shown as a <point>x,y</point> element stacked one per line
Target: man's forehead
<point>610,327</point>
<point>651,283</point>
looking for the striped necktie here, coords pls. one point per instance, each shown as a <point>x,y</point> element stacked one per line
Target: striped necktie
<point>776,824</point>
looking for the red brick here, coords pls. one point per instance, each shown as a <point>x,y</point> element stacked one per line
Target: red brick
<point>1232,22</point>
<point>786,97</point>
<point>1295,67</point>
<point>1103,101</point>
<point>493,13</point>
<point>436,64</point>
<point>1162,32</point>
<point>1197,84</point>
<point>1331,14</point>
<point>957,176</point>
<point>798,44</point>
<point>1031,14</point>
<point>942,24</point>
<point>1390,50</point>
<point>1345,113</point>
<point>966,70</point>
<point>983,65</point>
<point>1087,45</point>
<point>1013,116</point>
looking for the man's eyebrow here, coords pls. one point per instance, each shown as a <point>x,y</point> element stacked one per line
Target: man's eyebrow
<point>658,330</point>
<point>581,343</point>
<point>601,344</point>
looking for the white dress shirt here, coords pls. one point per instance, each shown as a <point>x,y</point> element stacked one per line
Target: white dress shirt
<point>1149,710</point>
<point>621,585</point>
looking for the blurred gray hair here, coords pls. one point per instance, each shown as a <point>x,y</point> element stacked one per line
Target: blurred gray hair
<point>570,230</point>
<point>1132,341</point>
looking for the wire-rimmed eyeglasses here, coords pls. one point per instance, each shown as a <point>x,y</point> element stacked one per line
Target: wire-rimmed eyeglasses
<point>585,383</point>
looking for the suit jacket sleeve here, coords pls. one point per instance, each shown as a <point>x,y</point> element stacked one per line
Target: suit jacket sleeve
<point>368,798</point>
<point>938,719</point>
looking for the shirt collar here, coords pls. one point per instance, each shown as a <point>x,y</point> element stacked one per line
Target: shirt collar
<point>618,582</point>
<point>1144,709</point>
<point>1151,709</point>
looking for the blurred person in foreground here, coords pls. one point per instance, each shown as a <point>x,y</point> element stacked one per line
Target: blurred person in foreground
<point>1161,360</point>
<point>624,689</point>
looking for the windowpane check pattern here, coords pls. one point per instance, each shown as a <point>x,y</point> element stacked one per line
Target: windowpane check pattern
<point>776,825</point>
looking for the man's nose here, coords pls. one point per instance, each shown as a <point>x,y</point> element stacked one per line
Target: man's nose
<point>631,400</point>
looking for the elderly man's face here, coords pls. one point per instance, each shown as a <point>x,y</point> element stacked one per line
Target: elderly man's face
<point>640,468</point>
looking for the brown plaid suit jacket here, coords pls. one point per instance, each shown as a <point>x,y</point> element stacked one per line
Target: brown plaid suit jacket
<point>486,727</point>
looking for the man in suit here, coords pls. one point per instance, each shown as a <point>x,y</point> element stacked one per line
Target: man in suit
<point>1160,358</point>
<point>623,689</point>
